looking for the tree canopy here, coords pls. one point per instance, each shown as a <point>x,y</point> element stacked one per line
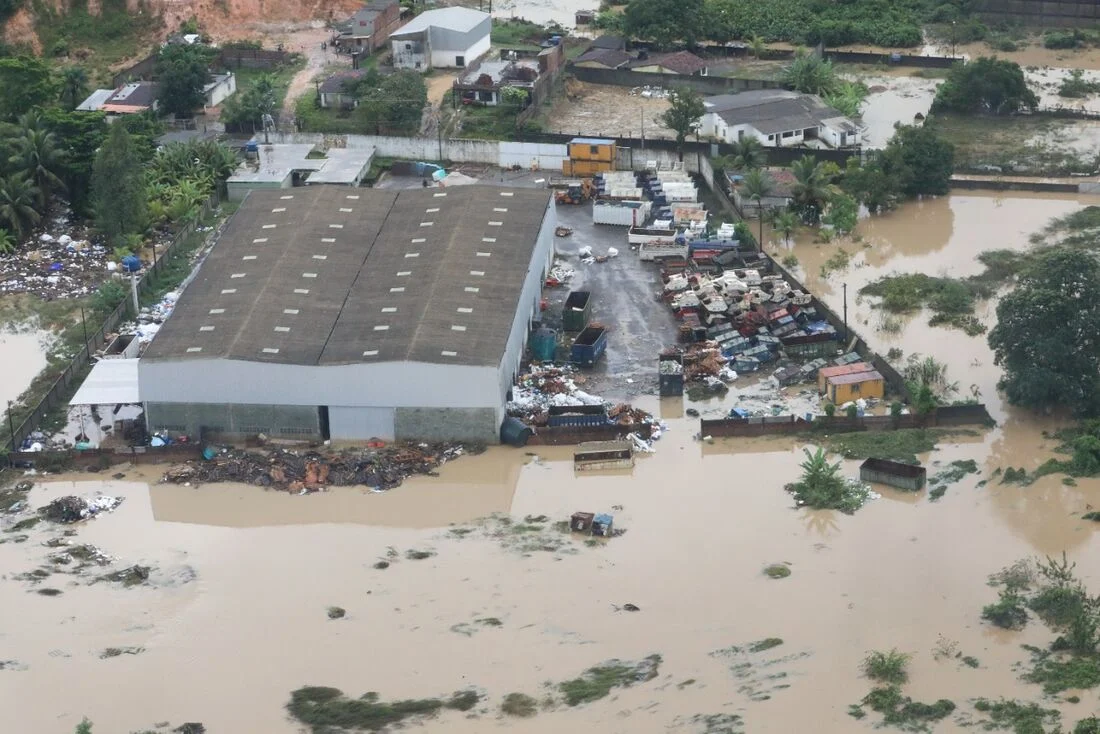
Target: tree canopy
<point>987,85</point>
<point>1047,333</point>
<point>665,21</point>
<point>392,103</point>
<point>26,83</point>
<point>920,158</point>
<point>182,72</point>
<point>118,188</point>
<point>683,114</point>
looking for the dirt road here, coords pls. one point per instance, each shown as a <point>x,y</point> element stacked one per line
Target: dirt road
<point>308,43</point>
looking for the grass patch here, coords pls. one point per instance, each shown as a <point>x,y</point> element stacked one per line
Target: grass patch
<point>316,119</point>
<point>953,472</point>
<point>596,683</point>
<point>1021,718</point>
<point>418,555</point>
<point>901,445</point>
<point>24,524</point>
<point>114,652</point>
<point>327,709</point>
<point>1057,672</point>
<point>336,612</point>
<point>520,705</point>
<point>49,592</point>
<point>1008,612</point>
<point>766,644</point>
<point>97,40</point>
<point>1094,516</point>
<point>1021,144</point>
<point>951,300</point>
<point>901,711</point>
<point>490,622</point>
<point>837,261</point>
<point>886,667</point>
<point>777,571</point>
<point>517,33</point>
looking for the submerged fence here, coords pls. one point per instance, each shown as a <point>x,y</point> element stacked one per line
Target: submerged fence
<point>61,389</point>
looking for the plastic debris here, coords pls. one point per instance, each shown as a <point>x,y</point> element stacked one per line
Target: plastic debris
<point>72,509</point>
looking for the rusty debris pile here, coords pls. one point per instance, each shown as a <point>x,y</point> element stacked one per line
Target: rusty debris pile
<point>380,468</point>
<point>544,386</point>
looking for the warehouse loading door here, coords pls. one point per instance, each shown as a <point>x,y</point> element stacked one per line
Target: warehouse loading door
<point>359,424</point>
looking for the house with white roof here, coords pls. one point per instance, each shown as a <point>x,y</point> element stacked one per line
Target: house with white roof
<point>777,118</point>
<point>441,39</point>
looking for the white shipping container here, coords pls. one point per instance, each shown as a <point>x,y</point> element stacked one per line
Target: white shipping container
<point>623,193</point>
<point>620,213</point>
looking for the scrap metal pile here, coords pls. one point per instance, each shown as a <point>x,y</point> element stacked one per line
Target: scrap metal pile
<point>544,395</point>
<point>742,318</point>
<point>309,471</point>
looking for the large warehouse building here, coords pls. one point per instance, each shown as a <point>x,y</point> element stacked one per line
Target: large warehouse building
<point>355,313</point>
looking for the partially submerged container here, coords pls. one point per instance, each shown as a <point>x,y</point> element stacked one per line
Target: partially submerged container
<point>577,311</point>
<point>581,522</point>
<point>670,375</point>
<point>544,345</point>
<point>909,477</point>
<point>589,346</point>
<point>594,455</point>
<point>515,432</point>
<point>601,525</point>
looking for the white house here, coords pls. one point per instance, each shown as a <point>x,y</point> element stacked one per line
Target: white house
<point>777,118</point>
<point>219,88</point>
<point>441,39</point>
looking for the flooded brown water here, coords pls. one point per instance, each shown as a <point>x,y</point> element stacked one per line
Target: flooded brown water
<point>234,618</point>
<point>22,356</point>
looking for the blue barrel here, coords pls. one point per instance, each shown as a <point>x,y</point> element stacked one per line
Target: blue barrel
<point>209,453</point>
<point>131,263</point>
<point>544,345</point>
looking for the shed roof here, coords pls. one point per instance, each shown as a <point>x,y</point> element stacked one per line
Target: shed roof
<point>111,382</point>
<point>453,18</point>
<point>681,62</point>
<point>95,100</point>
<point>612,58</point>
<point>855,378</point>
<point>843,369</point>
<point>591,141</point>
<point>335,84</point>
<point>135,94</point>
<point>772,110</point>
<point>323,275</point>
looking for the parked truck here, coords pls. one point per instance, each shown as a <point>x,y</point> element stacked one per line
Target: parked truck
<point>589,346</point>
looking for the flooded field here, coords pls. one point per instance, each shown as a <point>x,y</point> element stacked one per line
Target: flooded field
<point>233,616</point>
<point>893,100</point>
<point>562,12</point>
<point>22,356</point>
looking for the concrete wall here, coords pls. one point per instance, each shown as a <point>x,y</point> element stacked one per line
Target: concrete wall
<point>448,424</point>
<point>234,419</point>
<point>532,155</point>
<point>354,385</point>
<point>703,84</point>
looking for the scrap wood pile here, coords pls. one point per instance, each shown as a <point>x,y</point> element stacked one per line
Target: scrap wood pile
<point>382,468</point>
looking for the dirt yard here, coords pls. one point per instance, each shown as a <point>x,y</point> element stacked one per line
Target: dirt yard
<point>597,109</point>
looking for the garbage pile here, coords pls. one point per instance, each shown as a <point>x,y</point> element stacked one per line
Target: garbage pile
<point>70,509</point>
<point>560,274</point>
<point>302,472</point>
<point>55,265</point>
<point>747,316</point>
<point>150,318</point>
<point>542,387</point>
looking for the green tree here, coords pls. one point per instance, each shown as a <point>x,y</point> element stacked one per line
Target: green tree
<point>1047,333</point>
<point>756,186</point>
<point>757,46</point>
<point>118,188</point>
<point>988,85</point>
<point>247,109</point>
<point>26,83</point>
<point>847,97</point>
<point>37,154</point>
<point>812,189</point>
<point>811,74</point>
<point>871,186</point>
<point>7,242</point>
<point>747,153</point>
<point>84,727</point>
<point>79,135</point>
<point>17,204</point>
<point>609,21</point>
<point>144,129</point>
<point>683,114</point>
<point>74,86</point>
<point>665,21</point>
<point>786,223</point>
<point>920,158</point>
<point>823,487</point>
<point>842,214</point>
<point>182,72</point>
<point>392,103</point>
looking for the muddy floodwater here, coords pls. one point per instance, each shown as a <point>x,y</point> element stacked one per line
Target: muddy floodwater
<point>562,12</point>
<point>22,356</point>
<point>233,617</point>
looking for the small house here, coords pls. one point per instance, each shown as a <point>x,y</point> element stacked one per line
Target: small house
<point>780,196</point>
<point>683,63</point>
<point>219,88</point>
<point>441,39</point>
<point>602,58</point>
<point>825,373</point>
<point>846,388</point>
<point>777,118</point>
<point>128,99</point>
<point>335,92</point>
<point>369,27</point>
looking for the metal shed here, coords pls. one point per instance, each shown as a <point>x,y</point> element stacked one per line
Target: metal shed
<point>909,477</point>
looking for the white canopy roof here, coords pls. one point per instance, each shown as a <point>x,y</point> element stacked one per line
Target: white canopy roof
<point>111,382</point>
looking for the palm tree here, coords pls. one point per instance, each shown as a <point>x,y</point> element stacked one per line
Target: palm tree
<point>39,157</point>
<point>7,242</point>
<point>756,45</point>
<point>787,223</point>
<point>17,198</point>
<point>811,190</point>
<point>748,153</point>
<point>74,86</point>
<point>756,186</point>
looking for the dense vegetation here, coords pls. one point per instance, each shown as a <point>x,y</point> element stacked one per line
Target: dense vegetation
<point>890,23</point>
<point>988,85</point>
<point>1046,334</point>
<point>386,105</point>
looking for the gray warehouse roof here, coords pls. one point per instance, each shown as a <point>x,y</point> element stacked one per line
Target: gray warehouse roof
<point>322,275</point>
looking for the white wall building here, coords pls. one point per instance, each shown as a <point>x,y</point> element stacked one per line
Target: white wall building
<point>441,39</point>
<point>356,313</point>
<point>777,118</point>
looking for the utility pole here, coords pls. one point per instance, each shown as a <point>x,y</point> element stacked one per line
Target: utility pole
<point>11,427</point>
<point>845,313</point>
<point>953,37</point>
<point>84,325</point>
<point>760,216</point>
